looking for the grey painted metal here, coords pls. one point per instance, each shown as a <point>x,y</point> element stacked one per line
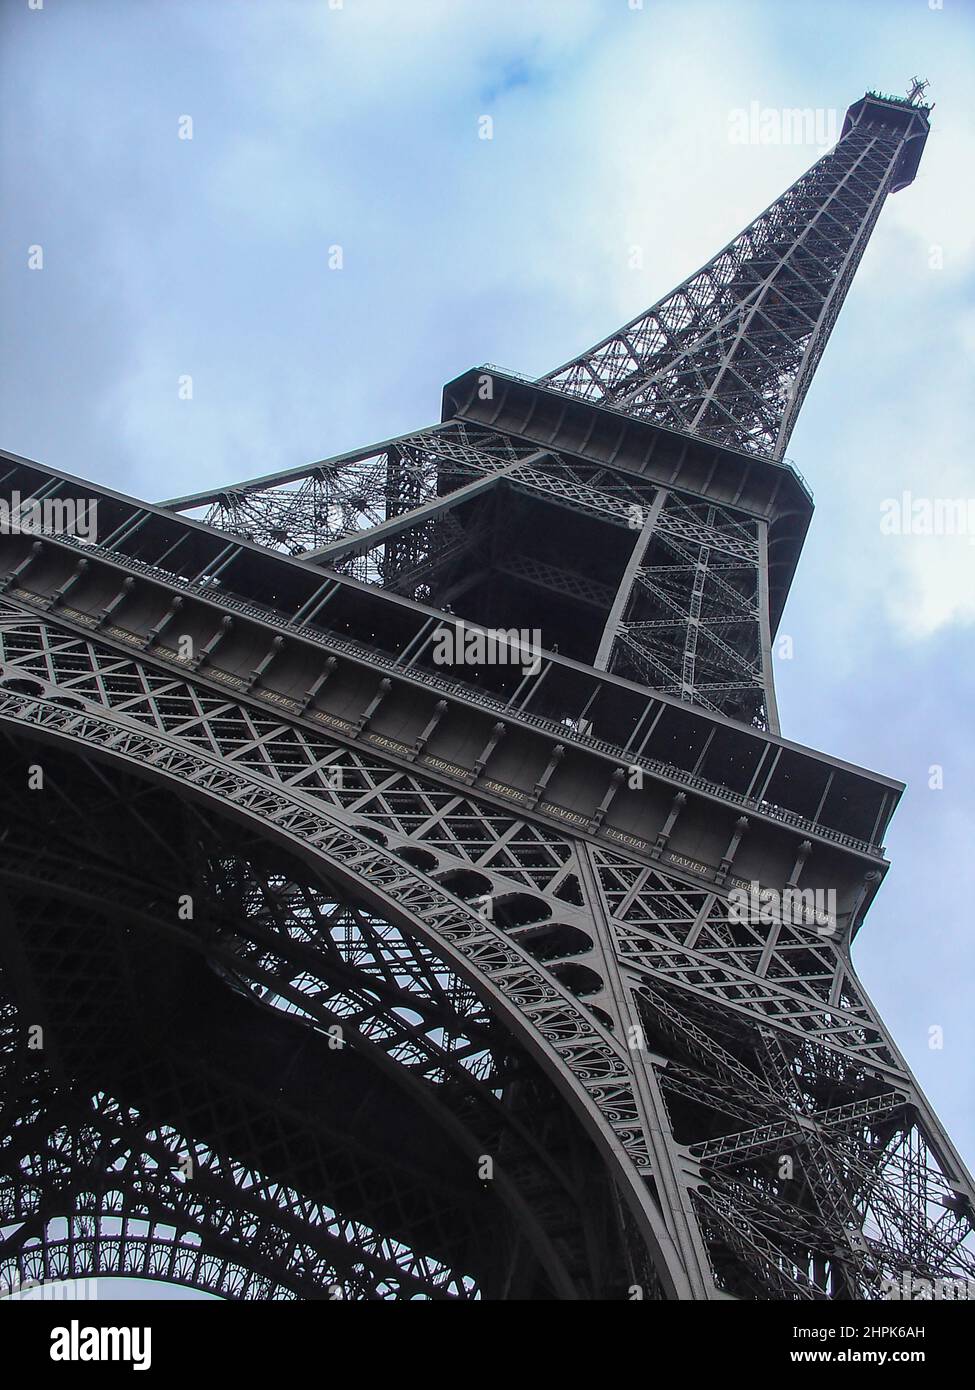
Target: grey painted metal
<point>516,895</point>
<point>729,353</point>
<point>695,974</point>
<point>611,630</point>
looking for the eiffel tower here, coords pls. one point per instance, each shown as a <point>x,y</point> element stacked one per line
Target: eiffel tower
<point>406,889</point>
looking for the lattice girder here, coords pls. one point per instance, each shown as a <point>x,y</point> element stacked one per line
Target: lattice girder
<point>510,891</point>
<point>730,352</point>
<point>705,994</point>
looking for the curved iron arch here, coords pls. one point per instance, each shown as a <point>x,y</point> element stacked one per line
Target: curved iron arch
<point>544,1017</point>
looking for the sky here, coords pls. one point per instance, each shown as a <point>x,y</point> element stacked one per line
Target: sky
<point>317,124</point>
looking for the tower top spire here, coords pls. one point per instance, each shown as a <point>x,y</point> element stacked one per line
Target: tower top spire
<point>918,87</point>
<point>728,355</point>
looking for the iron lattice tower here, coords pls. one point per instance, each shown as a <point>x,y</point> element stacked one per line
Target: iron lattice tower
<point>306,924</point>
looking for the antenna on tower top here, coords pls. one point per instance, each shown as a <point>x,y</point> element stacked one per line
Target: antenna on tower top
<point>918,88</point>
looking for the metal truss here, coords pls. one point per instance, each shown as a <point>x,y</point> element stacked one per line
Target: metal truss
<point>291,1200</point>
<point>345,513</point>
<point>730,352</point>
<point>309,510</point>
<point>693,622</point>
<point>690,620</point>
<point>697,1051</point>
<point>448,918</point>
<point>298,976</point>
<point>727,357</point>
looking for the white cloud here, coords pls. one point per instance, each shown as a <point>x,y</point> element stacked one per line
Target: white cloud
<point>358,126</point>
